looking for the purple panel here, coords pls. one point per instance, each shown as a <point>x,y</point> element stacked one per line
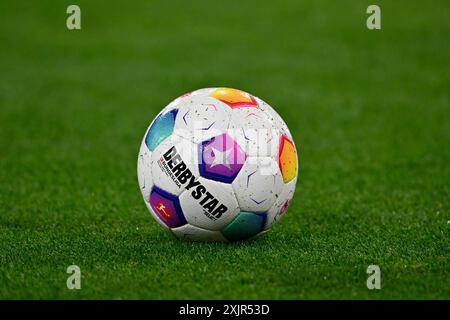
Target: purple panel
<point>221,158</point>
<point>167,208</point>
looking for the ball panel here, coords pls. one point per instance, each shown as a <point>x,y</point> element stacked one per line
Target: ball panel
<point>192,233</point>
<point>167,208</point>
<point>258,184</point>
<point>246,225</point>
<point>144,171</point>
<point>201,118</point>
<point>155,216</point>
<point>220,158</point>
<point>287,159</point>
<point>274,118</point>
<point>174,164</point>
<point>252,129</point>
<point>161,128</point>
<point>209,204</point>
<point>234,98</point>
<point>280,207</point>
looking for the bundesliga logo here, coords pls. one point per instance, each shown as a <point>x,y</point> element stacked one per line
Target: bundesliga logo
<point>163,210</point>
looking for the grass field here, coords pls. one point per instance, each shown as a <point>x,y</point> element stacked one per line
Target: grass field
<point>369,111</point>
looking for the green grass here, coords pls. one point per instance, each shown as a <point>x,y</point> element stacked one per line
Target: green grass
<point>369,111</point>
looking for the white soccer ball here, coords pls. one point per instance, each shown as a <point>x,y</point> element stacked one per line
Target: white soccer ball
<point>217,164</point>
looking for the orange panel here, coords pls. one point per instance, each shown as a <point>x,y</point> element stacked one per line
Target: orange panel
<point>234,98</point>
<point>287,159</point>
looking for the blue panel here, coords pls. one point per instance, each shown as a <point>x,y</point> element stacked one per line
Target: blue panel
<point>161,128</point>
<point>245,225</point>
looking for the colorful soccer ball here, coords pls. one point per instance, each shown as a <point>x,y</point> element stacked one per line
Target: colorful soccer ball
<point>217,164</point>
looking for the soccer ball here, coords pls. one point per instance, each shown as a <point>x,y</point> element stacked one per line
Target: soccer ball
<point>217,164</point>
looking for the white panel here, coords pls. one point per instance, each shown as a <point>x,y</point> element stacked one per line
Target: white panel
<point>201,117</point>
<point>192,233</point>
<point>144,171</point>
<point>253,131</point>
<point>275,118</point>
<point>258,184</point>
<point>164,176</point>
<point>278,210</point>
<point>198,213</point>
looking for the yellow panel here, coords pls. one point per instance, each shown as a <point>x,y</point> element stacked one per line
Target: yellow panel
<point>288,160</point>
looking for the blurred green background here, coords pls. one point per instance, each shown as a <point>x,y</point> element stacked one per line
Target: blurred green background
<point>369,111</point>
